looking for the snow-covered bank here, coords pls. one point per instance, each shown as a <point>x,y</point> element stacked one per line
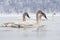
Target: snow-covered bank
<point>20,14</point>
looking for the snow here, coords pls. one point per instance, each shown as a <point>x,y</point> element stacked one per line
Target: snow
<point>49,31</point>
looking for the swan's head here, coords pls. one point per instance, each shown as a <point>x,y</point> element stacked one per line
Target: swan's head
<point>26,14</point>
<point>42,14</point>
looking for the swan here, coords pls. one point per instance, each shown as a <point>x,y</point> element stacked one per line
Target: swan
<point>19,25</point>
<point>25,24</point>
<point>39,16</point>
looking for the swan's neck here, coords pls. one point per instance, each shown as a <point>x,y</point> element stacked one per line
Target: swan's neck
<point>38,18</point>
<point>24,19</point>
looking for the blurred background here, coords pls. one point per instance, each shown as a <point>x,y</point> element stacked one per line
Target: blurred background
<point>19,6</point>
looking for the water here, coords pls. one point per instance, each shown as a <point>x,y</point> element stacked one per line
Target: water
<point>50,30</point>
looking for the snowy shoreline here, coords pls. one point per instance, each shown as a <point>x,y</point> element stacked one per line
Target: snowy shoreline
<point>17,15</point>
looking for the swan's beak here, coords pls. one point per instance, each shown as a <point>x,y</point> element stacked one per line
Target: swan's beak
<point>45,16</point>
<point>28,16</point>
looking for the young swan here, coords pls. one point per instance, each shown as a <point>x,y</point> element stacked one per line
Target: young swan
<point>25,24</point>
<point>39,16</point>
<point>22,25</point>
